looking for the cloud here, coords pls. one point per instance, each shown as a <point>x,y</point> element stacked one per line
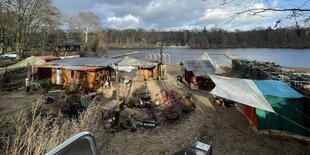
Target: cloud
<point>172,14</point>
<point>128,21</point>
<point>226,17</point>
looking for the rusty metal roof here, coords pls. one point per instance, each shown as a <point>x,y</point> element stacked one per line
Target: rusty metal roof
<point>48,58</point>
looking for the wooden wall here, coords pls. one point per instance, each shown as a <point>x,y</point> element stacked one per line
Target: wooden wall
<point>146,73</point>
<point>88,79</point>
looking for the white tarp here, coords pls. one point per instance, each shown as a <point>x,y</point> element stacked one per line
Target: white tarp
<point>128,64</point>
<point>218,69</point>
<point>240,90</point>
<point>125,68</point>
<point>129,61</point>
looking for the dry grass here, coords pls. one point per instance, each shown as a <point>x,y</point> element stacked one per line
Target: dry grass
<point>37,133</point>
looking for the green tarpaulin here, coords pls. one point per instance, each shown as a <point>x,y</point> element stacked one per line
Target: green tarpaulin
<point>288,110</point>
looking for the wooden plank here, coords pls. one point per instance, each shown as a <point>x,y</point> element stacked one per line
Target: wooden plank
<point>231,55</point>
<point>307,86</point>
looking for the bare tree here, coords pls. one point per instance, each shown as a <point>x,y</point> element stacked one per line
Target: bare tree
<point>29,16</point>
<point>89,21</point>
<point>73,23</point>
<point>85,22</point>
<point>298,10</point>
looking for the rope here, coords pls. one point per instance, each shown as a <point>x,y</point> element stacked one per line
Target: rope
<point>293,122</point>
<point>299,111</point>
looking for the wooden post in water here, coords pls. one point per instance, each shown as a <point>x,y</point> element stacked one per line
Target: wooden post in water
<point>164,57</point>
<point>155,58</point>
<point>169,57</point>
<point>151,56</point>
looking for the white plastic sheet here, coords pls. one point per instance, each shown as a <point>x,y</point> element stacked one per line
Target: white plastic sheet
<point>218,69</point>
<point>129,61</point>
<point>240,90</point>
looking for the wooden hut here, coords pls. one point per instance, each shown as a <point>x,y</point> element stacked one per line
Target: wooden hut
<point>87,77</point>
<point>68,44</point>
<point>85,72</point>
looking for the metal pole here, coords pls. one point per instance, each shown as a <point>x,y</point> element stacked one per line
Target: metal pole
<point>161,61</point>
<point>161,53</point>
<point>117,110</point>
<point>117,92</point>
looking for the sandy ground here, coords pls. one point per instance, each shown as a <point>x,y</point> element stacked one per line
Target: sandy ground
<point>226,128</point>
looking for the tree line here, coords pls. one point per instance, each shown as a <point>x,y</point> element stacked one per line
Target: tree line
<point>37,26</point>
<point>214,38</point>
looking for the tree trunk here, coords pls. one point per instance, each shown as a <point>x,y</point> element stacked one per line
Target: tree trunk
<point>86,39</point>
<point>18,50</point>
<point>18,41</point>
<point>1,48</point>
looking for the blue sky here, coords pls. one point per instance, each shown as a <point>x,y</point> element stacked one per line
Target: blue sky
<point>177,14</point>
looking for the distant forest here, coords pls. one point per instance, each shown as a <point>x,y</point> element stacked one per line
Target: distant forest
<point>138,38</point>
<point>214,38</point>
<point>37,26</point>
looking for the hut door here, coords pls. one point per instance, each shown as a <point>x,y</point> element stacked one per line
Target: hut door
<point>58,76</point>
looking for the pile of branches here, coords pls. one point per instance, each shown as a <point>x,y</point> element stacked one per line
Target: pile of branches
<point>177,103</point>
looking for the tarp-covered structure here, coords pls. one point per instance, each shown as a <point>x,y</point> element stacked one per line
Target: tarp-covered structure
<point>240,90</point>
<point>131,65</point>
<point>23,64</point>
<point>200,69</point>
<point>218,69</point>
<point>268,104</point>
<point>286,102</point>
<point>130,61</point>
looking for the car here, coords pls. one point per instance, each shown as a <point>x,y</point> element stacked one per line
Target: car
<point>8,56</point>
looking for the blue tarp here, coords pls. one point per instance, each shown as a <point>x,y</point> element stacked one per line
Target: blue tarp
<point>276,88</point>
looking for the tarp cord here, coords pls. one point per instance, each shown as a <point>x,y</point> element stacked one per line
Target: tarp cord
<point>293,122</point>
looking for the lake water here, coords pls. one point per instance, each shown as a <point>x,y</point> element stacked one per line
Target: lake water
<point>284,57</point>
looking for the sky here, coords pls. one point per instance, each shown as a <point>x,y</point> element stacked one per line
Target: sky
<point>176,14</point>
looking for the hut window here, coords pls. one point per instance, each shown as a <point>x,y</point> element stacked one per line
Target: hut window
<point>72,74</point>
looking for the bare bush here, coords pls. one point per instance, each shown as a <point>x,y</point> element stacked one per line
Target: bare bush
<point>38,132</point>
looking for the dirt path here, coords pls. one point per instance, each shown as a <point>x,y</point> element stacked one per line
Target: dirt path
<point>15,101</point>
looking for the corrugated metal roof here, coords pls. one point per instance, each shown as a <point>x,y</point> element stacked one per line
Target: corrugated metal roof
<point>81,61</point>
<point>81,68</point>
<point>71,67</point>
<point>200,67</point>
<point>87,68</point>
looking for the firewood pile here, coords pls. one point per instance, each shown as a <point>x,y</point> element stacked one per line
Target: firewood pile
<point>177,104</point>
<point>260,70</point>
<point>148,111</point>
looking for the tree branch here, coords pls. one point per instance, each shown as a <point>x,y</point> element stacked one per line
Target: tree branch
<point>261,10</point>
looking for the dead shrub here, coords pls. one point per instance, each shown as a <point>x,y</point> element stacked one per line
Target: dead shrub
<point>37,132</point>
